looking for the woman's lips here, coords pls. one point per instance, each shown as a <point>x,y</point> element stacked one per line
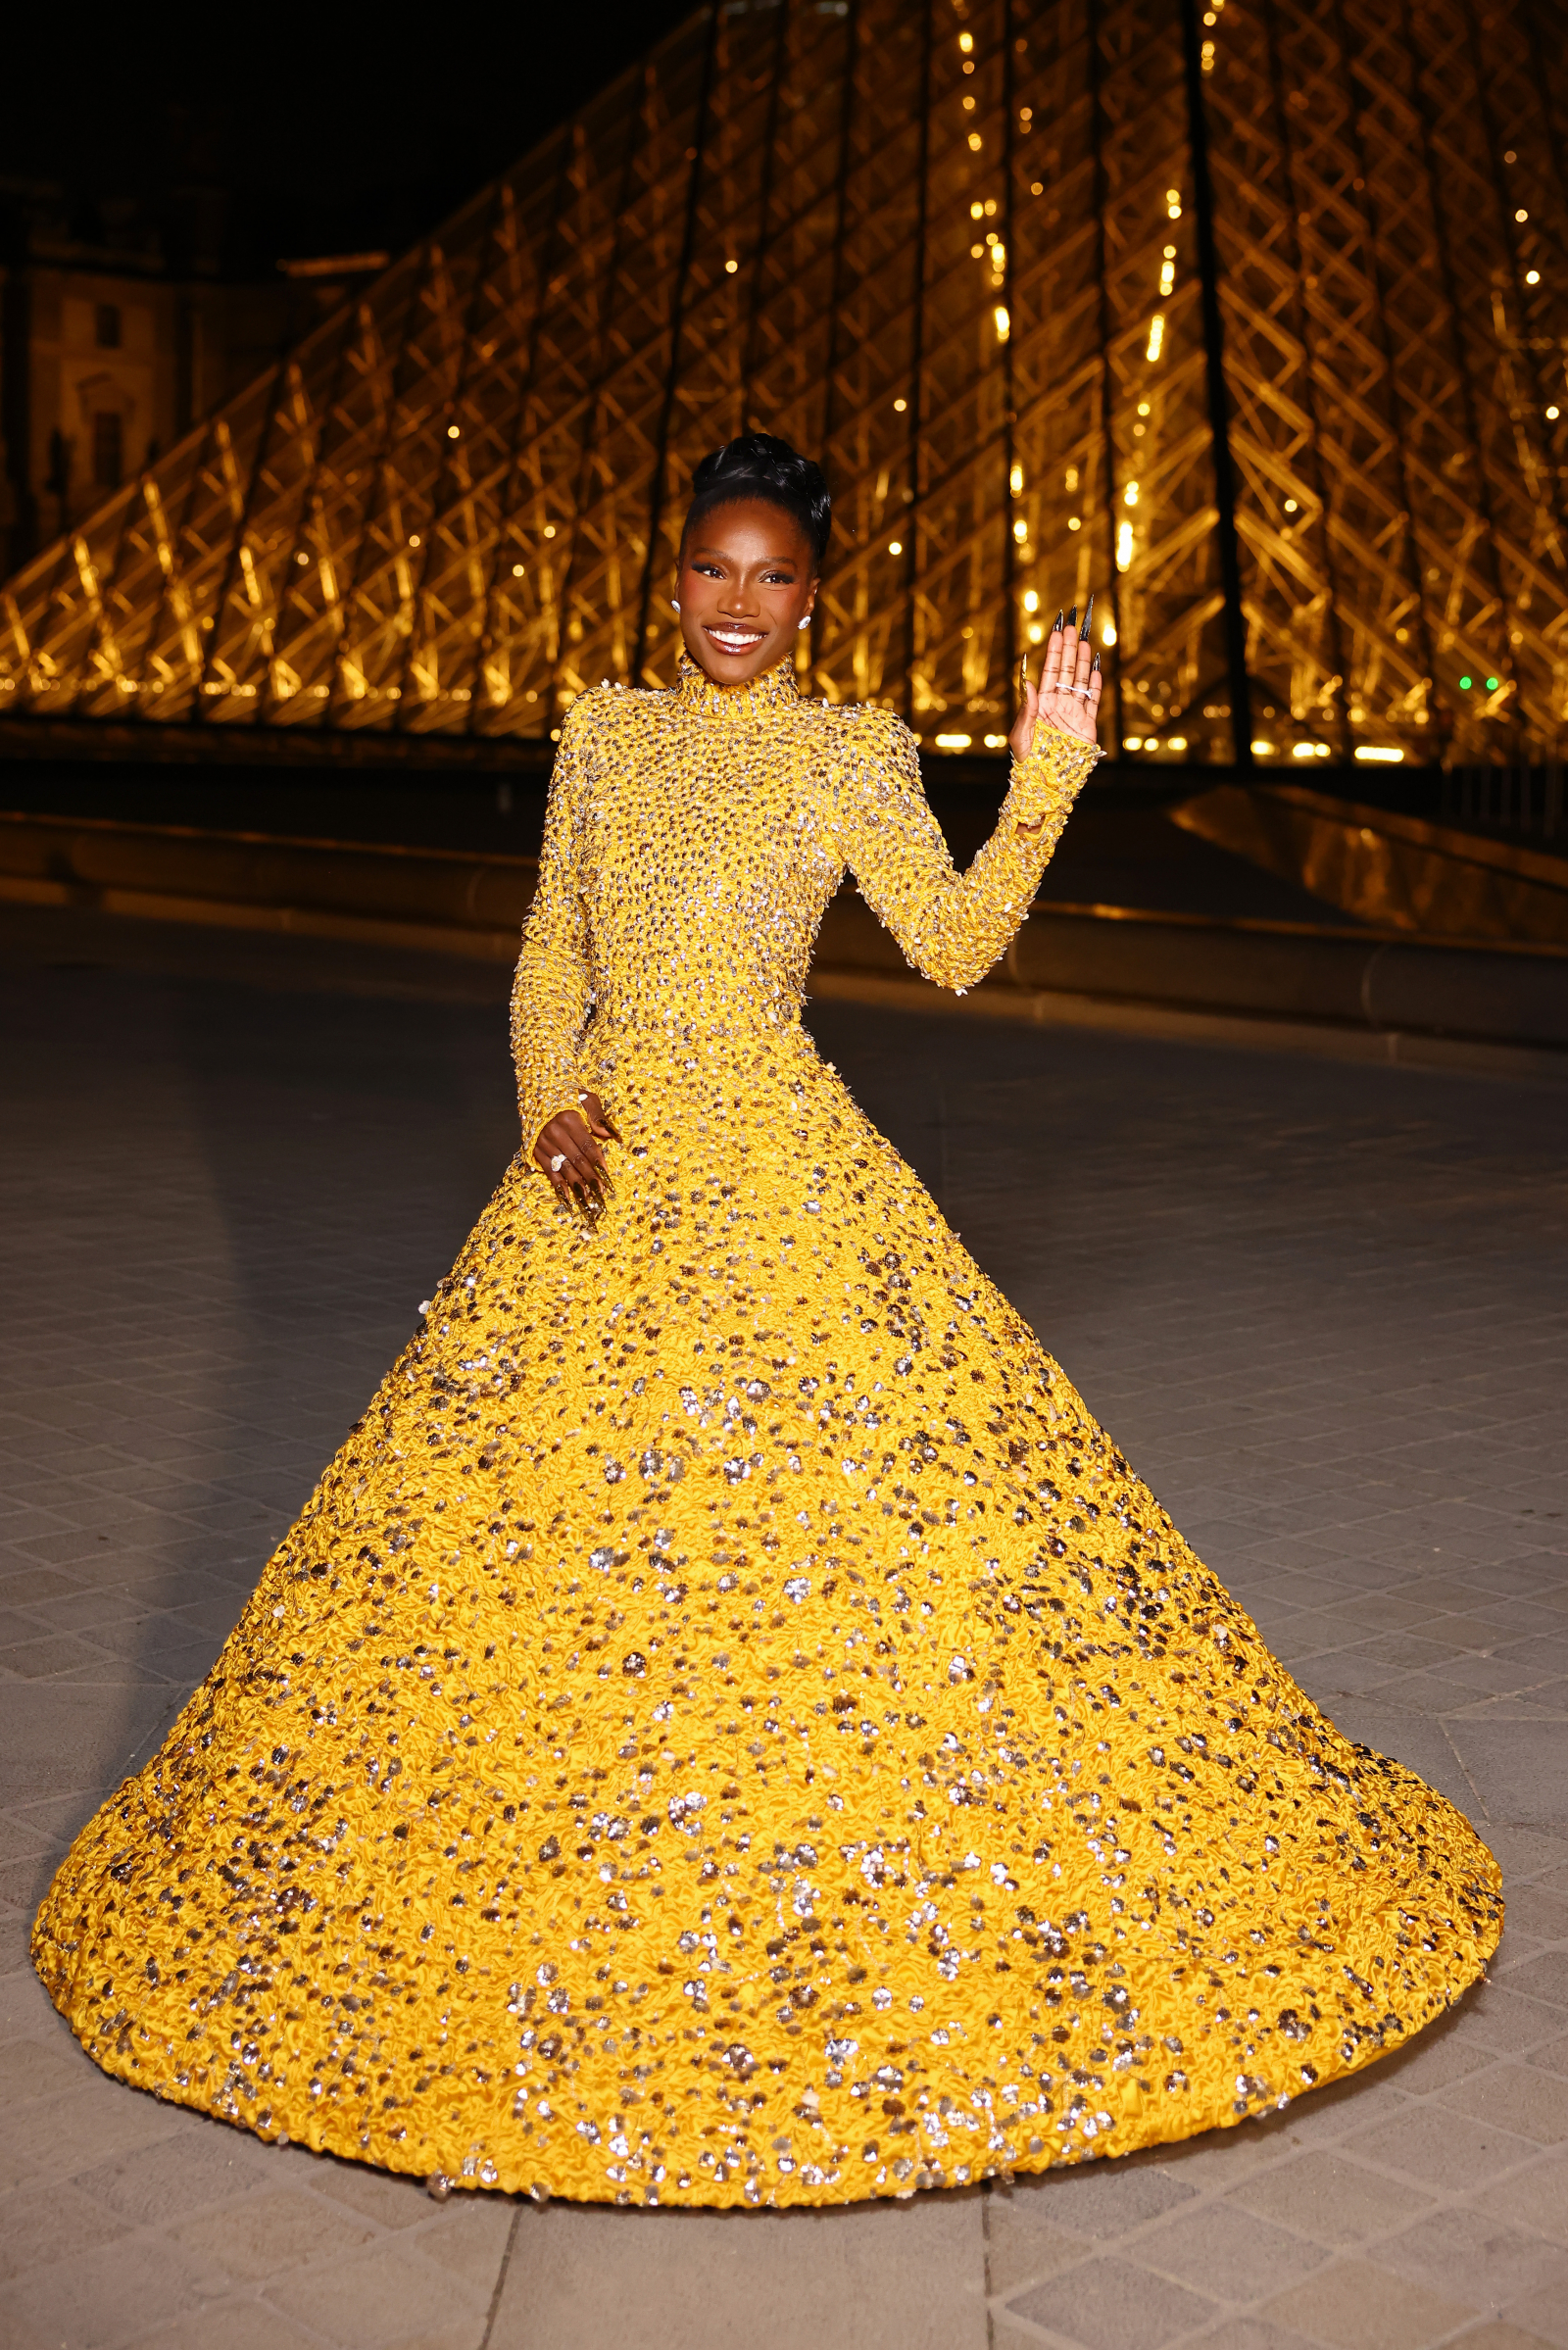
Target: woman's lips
<point>735,640</point>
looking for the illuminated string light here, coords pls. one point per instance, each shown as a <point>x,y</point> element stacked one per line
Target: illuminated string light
<point>1157,334</point>
<point>1124,547</point>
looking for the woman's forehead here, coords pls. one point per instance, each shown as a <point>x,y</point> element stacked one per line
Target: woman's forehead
<point>752,529</point>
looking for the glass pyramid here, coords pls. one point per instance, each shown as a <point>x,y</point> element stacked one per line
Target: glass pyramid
<point>1005,268</point>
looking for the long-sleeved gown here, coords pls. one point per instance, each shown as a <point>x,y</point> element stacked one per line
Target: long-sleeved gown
<point>728,1727</point>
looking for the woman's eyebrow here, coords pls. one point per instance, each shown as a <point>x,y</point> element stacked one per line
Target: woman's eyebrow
<point>776,563</point>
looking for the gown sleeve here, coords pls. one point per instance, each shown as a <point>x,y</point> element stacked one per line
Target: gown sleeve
<point>552,989</point>
<point>954,926</point>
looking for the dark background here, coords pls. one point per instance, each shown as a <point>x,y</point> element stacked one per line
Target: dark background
<point>305,131</point>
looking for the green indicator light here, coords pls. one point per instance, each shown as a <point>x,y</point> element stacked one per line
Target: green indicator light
<point>1492,685</point>
<point>1465,683</point>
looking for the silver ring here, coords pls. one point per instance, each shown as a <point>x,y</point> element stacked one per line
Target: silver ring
<point>557,1163</point>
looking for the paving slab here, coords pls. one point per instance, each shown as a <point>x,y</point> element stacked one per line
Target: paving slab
<point>1325,1310</point>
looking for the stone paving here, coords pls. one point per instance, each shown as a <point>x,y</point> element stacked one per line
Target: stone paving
<point>1322,1307</point>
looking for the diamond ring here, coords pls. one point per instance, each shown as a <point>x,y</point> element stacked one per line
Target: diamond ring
<point>557,1163</point>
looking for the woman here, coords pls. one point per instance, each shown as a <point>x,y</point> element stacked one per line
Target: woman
<point>728,1727</point>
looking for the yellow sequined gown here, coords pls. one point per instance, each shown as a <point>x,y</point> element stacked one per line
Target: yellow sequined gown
<point>729,1728</point>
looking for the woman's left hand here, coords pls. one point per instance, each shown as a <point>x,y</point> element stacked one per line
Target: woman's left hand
<point>1067,697</point>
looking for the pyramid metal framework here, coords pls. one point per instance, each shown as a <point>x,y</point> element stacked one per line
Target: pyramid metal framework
<point>1252,316</point>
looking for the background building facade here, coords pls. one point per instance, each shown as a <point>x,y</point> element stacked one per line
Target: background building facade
<point>1250,316</point>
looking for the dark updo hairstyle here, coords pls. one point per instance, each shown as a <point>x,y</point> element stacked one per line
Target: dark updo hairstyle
<point>756,465</point>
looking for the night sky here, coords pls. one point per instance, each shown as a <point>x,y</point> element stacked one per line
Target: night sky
<point>326,130</point>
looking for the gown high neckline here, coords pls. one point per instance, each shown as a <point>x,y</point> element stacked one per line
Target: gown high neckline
<point>765,696</point>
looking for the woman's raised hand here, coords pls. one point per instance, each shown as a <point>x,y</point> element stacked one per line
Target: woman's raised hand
<point>569,1151</point>
<point>1068,696</point>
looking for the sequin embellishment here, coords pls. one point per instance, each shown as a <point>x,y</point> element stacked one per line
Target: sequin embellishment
<point>729,1728</point>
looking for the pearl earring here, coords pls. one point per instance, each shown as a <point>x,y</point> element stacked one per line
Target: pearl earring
<point>805,623</point>
<point>673,605</point>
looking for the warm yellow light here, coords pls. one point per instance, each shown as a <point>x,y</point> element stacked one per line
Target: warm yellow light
<point>1551,415</point>
<point>1135,742</point>
<point>1129,496</point>
<point>1304,750</point>
<point>1073,522</point>
<point>1015,481</point>
<point>452,432</point>
<point>1173,210</point>
<point>1262,749</point>
<point>966,42</point>
<point>1381,752</point>
<point>1107,635</point>
<point>550,530</point>
<point>415,540</point>
<point>1031,602</point>
<point>1035,633</point>
<point>1289,505</point>
<point>895,545</point>
<point>953,742</point>
<point>1157,334</point>
<point>1178,742</point>
<point>999,257</point>
<point>1021,531</point>
<point>1003,322</point>
<point>899,407</point>
<point>1521,215</point>
<point>731,267</point>
<point>996,742</point>
<point>1124,547</point>
<point>991,208</point>
<point>1143,408</point>
<point>977,211</point>
<point>974,141</point>
<point>516,571</point>
<point>1532,278</point>
<point>1167,276</point>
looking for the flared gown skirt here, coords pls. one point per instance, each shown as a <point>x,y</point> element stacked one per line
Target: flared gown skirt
<point>729,1728</point>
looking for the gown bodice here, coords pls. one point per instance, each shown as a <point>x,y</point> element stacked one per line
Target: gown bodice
<point>693,841</point>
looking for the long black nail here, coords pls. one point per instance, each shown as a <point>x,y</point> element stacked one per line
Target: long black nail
<point>1072,618</point>
<point>1089,613</point>
<point>1055,625</point>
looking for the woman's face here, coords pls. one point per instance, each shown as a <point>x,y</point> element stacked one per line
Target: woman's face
<point>746,580</point>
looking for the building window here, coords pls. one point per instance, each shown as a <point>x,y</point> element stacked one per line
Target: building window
<point>108,326</point>
<point>108,451</point>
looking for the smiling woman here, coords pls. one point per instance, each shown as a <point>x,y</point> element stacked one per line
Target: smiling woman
<point>729,1727</point>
